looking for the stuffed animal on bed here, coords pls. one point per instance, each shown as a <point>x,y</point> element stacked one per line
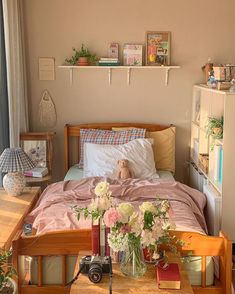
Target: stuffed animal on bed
<point>124,171</point>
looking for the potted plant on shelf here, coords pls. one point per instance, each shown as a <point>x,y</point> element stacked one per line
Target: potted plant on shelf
<point>82,57</point>
<point>214,128</point>
<point>7,284</point>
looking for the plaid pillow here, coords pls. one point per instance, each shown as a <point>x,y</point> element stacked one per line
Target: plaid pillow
<point>107,137</point>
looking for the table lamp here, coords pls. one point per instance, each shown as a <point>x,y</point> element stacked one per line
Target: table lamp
<point>14,161</point>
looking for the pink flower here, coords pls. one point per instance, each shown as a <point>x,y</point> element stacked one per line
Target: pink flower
<point>111,216</point>
<point>125,229</point>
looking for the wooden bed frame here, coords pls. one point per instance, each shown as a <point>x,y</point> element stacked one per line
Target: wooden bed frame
<point>66,243</point>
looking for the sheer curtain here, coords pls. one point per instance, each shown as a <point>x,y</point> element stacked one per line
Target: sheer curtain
<point>4,127</point>
<point>16,73</point>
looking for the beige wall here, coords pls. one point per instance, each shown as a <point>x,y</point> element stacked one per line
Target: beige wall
<point>52,27</point>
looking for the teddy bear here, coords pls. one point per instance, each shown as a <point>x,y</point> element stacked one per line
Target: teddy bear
<point>124,171</point>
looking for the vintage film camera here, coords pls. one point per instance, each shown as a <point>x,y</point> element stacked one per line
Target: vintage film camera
<point>95,267</point>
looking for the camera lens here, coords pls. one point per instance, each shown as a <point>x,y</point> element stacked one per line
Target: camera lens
<point>95,273</point>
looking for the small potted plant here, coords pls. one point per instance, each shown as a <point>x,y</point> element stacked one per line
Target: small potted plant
<point>82,57</point>
<point>7,284</point>
<point>214,128</point>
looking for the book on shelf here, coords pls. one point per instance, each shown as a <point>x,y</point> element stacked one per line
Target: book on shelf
<point>37,172</point>
<point>168,277</point>
<point>109,63</point>
<point>108,59</point>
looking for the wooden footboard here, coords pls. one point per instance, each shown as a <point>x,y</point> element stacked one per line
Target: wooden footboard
<point>72,242</point>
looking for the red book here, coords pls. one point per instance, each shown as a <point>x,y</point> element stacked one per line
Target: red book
<point>168,277</point>
<point>107,248</point>
<point>95,239</point>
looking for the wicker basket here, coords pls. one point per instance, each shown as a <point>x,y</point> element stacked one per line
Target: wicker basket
<point>204,162</point>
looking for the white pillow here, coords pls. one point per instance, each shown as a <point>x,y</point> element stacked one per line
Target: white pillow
<point>101,160</point>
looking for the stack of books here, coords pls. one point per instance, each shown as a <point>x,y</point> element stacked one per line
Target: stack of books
<point>109,61</point>
<point>37,172</point>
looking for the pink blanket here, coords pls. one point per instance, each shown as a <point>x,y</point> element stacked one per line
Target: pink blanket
<point>54,212</point>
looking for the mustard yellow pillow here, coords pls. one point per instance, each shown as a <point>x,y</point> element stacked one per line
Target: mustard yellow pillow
<point>164,148</point>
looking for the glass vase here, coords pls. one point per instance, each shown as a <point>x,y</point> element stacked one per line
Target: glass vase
<point>132,262</point>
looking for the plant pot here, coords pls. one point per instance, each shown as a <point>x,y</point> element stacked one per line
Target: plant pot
<point>83,61</point>
<point>217,131</point>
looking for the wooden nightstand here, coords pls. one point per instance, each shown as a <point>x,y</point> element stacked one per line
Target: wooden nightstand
<point>122,284</point>
<point>13,210</point>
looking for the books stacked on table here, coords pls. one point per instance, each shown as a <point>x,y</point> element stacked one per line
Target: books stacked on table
<point>109,61</point>
<point>37,172</point>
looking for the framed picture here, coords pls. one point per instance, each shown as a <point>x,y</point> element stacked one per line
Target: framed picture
<point>113,51</point>
<point>37,151</point>
<point>158,48</point>
<point>39,147</point>
<point>133,54</point>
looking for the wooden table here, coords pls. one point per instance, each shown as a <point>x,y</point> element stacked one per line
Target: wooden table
<point>122,284</point>
<point>13,211</point>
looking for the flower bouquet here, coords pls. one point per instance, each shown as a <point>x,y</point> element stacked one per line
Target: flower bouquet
<point>132,230</point>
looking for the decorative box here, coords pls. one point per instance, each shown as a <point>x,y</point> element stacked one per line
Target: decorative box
<point>133,55</point>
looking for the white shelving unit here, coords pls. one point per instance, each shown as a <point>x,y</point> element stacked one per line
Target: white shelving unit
<point>109,69</point>
<point>214,103</point>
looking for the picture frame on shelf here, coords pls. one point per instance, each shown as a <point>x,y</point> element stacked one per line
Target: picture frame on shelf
<point>113,50</point>
<point>133,54</point>
<point>158,48</point>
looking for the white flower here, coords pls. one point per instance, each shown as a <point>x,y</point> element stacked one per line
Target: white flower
<point>147,238</point>
<point>168,224</point>
<point>147,206</point>
<point>102,189</point>
<point>126,210</point>
<point>155,255</point>
<point>157,231</point>
<point>93,205</point>
<point>165,205</point>
<point>118,242</point>
<point>104,203</point>
<point>136,224</point>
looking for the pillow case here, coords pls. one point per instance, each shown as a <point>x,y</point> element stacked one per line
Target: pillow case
<point>102,160</point>
<point>164,148</point>
<point>97,136</point>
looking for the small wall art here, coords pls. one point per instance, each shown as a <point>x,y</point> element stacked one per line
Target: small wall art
<point>133,54</point>
<point>157,48</point>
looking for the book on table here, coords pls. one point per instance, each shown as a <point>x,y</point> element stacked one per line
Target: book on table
<point>168,277</point>
<point>37,172</point>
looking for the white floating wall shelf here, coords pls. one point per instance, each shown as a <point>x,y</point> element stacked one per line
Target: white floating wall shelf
<point>127,68</point>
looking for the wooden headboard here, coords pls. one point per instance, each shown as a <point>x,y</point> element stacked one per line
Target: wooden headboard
<point>72,132</point>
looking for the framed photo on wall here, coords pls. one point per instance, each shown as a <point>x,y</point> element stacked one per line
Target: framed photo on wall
<point>158,48</point>
<point>133,54</point>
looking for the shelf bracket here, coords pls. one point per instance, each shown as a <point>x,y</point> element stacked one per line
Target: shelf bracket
<point>167,76</point>
<point>128,76</point>
<point>71,76</point>
<point>110,76</point>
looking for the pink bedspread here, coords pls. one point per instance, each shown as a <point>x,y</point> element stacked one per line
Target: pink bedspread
<point>53,211</point>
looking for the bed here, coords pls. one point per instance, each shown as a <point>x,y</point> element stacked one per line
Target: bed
<point>48,242</point>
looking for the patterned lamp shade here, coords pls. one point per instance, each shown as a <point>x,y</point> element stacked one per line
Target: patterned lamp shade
<point>15,160</point>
